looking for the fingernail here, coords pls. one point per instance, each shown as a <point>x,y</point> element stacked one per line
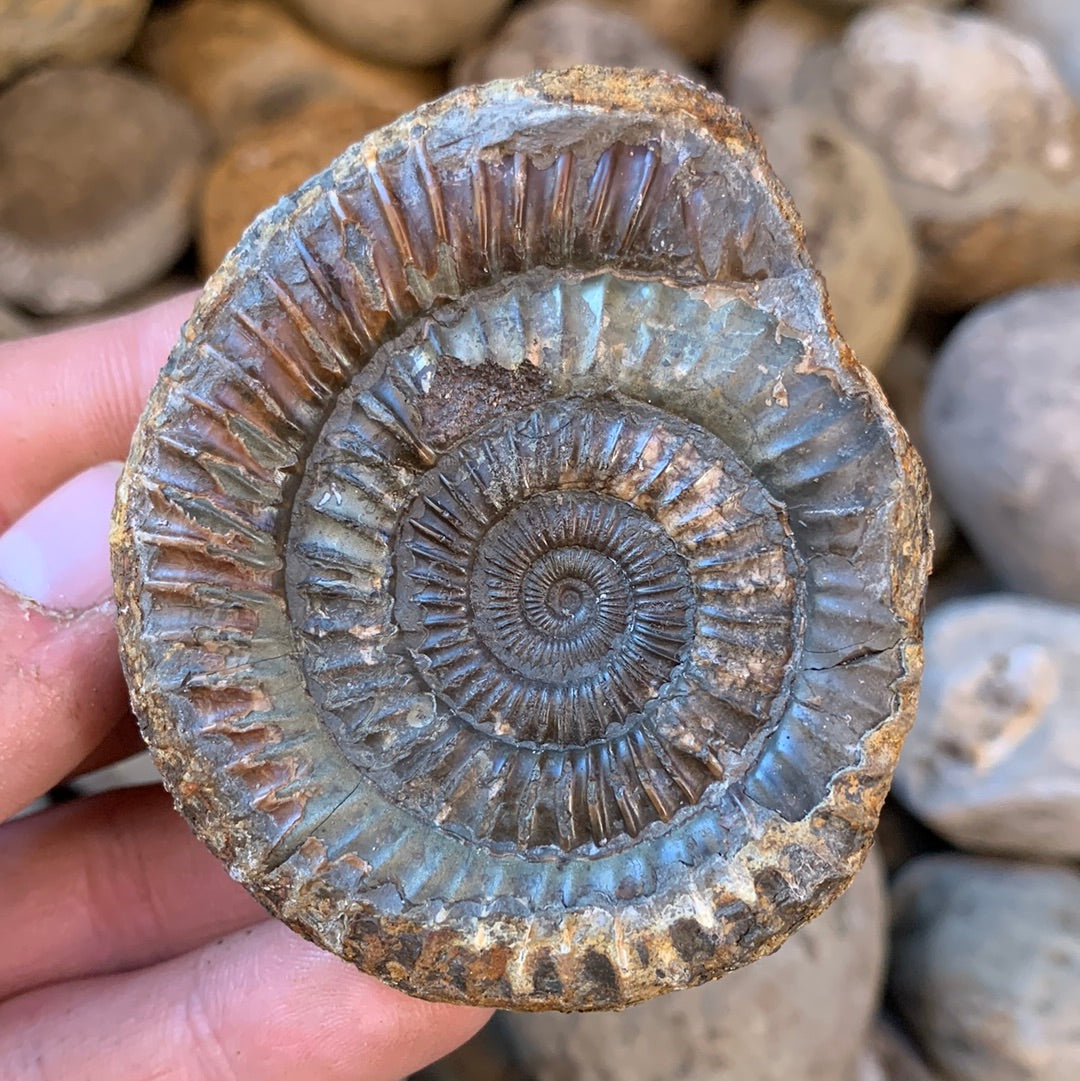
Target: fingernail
<point>58,552</point>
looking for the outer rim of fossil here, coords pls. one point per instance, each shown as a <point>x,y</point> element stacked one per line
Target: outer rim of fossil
<point>262,814</point>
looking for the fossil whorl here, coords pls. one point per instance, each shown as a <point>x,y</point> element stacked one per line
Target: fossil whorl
<point>519,582</point>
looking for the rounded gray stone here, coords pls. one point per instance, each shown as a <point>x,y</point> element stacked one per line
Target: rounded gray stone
<point>801,1013</point>
<point>979,137</point>
<point>986,967</point>
<point>555,34</point>
<point>993,760</point>
<point>855,230</point>
<point>1054,24</point>
<point>1002,440</point>
<point>904,378</point>
<point>767,48</point>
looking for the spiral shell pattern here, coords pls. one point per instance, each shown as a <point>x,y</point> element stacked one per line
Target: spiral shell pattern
<point>519,582</point>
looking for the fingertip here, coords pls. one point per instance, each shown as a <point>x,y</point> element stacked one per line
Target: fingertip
<point>57,553</point>
<point>371,1025</point>
<point>70,399</point>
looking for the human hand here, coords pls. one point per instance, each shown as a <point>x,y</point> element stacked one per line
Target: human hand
<point>126,951</point>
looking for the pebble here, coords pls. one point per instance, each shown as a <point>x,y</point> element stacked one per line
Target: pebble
<point>694,28</point>
<point>563,33</point>
<point>66,31</point>
<point>856,233</point>
<point>416,32</point>
<point>980,139</point>
<point>1055,24</point>
<point>986,967</point>
<point>241,63</point>
<point>97,193</point>
<point>904,378</point>
<point>1002,441</point>
<point>268,161</point>
<point>801,1013</point>
<point>993,760</point>
<point>767,48</point>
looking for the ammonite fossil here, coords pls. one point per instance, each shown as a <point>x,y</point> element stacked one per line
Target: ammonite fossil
<point>519,580</point>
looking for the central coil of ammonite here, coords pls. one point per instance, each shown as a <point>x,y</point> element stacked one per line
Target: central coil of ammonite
<point>575,611</point>
<point>582,607</point>
<point>545,611</point>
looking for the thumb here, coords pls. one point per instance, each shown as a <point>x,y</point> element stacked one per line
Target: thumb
<point>59,668</point>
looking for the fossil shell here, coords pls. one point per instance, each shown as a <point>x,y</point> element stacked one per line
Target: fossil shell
<point>519,581</point>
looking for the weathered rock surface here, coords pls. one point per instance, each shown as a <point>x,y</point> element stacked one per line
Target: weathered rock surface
<point>555,34</point>
<point>801,1013</point>
<point>68,31</point>
<point>986,967</point>
<point>979,136</point>
<point>993,760</point>
<point>1002,440</point>
<point>97,191</point>
<point>855,231</point>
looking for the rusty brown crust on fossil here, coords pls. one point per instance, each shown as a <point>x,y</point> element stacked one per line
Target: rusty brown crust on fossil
<point>319,474</point>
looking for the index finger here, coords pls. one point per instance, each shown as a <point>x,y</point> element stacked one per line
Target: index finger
<point>71,399</point>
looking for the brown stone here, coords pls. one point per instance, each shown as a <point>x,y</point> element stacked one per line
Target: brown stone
<point>555,34</point>
<point>416,32</point>
<point>519,580</point>
<point>694,28</point>
<point>978,135</point>
<point>986,967</point>
<point>98,189</point>
<point>268,161</point>
<point>242,63</point>
<point>66,31</point>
